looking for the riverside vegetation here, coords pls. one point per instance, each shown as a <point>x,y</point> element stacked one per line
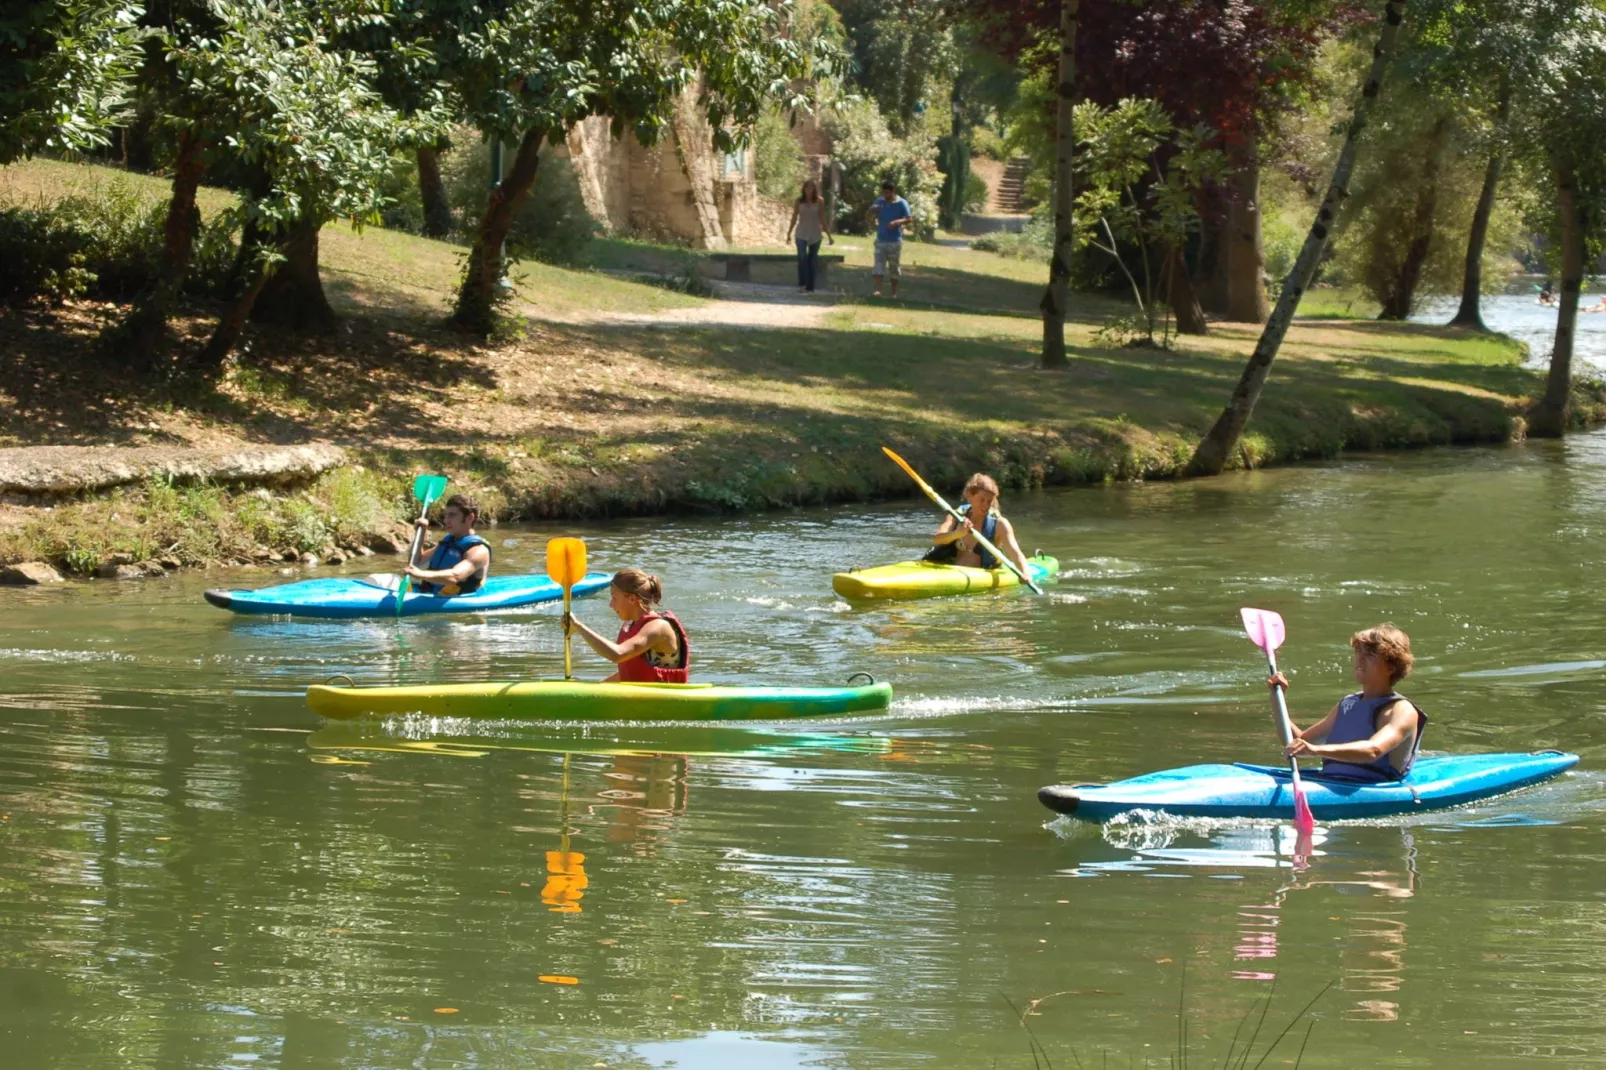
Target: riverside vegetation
<point>615,397</point>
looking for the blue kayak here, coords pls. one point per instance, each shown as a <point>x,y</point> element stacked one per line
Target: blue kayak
<point>1266,791</point>
<point>346,597</point>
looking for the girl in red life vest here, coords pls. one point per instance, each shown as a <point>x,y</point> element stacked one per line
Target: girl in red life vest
<point>652,647</point>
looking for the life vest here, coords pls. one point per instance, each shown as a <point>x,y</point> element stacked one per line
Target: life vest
<point>448,552</point>
<point>641,670</point>
<point>948,554</point>
<point>1357,721</point>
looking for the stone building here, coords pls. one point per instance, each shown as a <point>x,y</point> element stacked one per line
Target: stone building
<point>679,189</point>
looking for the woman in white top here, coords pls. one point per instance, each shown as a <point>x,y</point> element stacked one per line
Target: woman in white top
<point>810,225</point>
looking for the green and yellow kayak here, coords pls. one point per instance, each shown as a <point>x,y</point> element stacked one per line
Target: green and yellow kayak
<point>922,579</point>
<point>573,700</point>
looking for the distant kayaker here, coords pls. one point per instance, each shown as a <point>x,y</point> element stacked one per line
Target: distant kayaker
<point>1373,735</point>
<point>459,563</point>
<point>955,542</point>
<point>651,647</point>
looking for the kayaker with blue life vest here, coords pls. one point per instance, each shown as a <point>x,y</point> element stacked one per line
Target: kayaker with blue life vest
<point>461,561</point>
<point>651,647</point>
<point>955,543</point>
<point>1373,735</point>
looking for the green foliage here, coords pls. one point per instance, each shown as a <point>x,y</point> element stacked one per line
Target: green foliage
<point>975,192</point>
<point>104,243</point>
<point>985,141</point>
<point>905,57</point>
<point>552,224</point>
<point>777,160</point>
<point>66,72</point>
<point>1125,200</point>
<point>870,154</point>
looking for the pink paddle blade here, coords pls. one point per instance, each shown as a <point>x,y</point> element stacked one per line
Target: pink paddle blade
<point>1304,820</point>
<point>1264,628</point>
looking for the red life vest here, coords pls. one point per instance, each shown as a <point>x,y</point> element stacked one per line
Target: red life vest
<point>637,670</point>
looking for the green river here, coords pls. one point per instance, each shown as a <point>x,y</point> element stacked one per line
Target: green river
<point>194,872</point>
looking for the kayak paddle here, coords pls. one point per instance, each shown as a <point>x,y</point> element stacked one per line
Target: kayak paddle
<point>1265,630</point>
<point>960,517</point>
<point>566,566</point>
<point>427,489</point>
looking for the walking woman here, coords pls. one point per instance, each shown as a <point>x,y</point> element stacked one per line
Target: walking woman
<point>810,225</point>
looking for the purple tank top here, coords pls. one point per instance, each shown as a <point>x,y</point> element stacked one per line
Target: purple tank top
<point>1357,721</point>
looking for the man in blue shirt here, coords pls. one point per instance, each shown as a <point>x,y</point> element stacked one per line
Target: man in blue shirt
<point>892,216</point>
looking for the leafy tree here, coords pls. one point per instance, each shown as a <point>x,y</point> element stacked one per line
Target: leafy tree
<point>1213,451</point>
<point>1128,201</point>
<point>525,71</point>
<point>259,84</point>
<point>66,73</point>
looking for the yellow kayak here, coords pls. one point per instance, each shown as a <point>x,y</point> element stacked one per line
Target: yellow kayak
<point>574,700</point>
<point>923,579</point>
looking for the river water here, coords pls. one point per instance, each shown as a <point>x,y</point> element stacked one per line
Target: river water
<point>194,872</point>
<point>1525,319</point>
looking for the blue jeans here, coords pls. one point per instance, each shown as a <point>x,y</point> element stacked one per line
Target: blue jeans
<point>808,254</point>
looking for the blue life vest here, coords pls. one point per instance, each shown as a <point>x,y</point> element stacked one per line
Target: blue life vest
<point>448,552</point>
<point>948,553</point>
<point>1356,722</point>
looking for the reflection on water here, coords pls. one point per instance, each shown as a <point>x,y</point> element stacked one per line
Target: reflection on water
<point>194,871</point>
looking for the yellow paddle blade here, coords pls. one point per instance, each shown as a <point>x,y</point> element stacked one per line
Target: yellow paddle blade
<point>901,463</point>
<point>566,561</point>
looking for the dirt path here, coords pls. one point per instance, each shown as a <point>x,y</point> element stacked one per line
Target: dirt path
<point>736,304</point>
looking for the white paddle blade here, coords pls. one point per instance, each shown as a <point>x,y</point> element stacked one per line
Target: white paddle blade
<point>1264,628</point>
<point>385,581</point>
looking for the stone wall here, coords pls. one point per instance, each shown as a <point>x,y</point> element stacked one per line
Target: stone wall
<point>681,189</point>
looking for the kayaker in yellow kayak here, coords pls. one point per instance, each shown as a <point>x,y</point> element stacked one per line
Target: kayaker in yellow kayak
<point>651,647</point>
<point>461,561</point>
<point>1373,735</point>
<point>955,543</point>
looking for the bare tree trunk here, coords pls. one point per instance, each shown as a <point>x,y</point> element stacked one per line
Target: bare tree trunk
<point>232,323</point>
<point>476,297</point>
<point>1184,302</point>
<point>1245,249</point>
<point>1218,445</point>
<point>146,325</point>
<point>1549,418</point>
<point>1212,262</point>
<point>293,293</point>
<point>1470,314</point>
<point>1399,297</point>
<point>1057,296</point>
<point>432,191</point>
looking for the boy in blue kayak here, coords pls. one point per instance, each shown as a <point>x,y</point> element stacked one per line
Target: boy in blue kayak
<point>1373,735</point>
<point>461,561</point>
<point>955,541</point>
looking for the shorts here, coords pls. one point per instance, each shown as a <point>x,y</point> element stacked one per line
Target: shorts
<point>887,254</point>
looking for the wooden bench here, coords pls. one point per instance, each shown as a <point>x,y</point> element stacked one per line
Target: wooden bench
<point>739,266</point>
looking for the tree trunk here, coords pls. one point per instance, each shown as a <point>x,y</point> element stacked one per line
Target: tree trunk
<point>1184,302</point>
<point>1057,296</point>
<point>1399,299</point>
<point>1470,314</point>
<point>293,294</point>
<point>437,213</point>
<point>1218,445</point>
<point>209,361</point>
<point>477,297</point>
<point>1212,260</point>
<point>146,325</point>
<point>1245,250</point>
<point>1548,419</point>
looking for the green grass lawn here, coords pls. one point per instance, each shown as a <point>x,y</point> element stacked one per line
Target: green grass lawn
<point>586,411</point>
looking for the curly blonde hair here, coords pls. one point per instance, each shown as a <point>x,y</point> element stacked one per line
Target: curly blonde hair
<point>1389,643</point>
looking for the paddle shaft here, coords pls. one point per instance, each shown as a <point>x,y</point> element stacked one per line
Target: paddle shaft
<point>1285,725</point>
<point>568,665</point>
<point>412,554</point>
<point>959,518</point>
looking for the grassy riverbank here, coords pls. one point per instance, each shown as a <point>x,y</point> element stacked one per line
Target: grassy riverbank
<point>619,397</point>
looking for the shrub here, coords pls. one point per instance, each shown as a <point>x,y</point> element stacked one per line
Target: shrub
<point>552,225</point>
<point>870,155</point>
<point>103,243</point>
<point>985,141</point>
<point>975,192</point>
<point>777,160</point>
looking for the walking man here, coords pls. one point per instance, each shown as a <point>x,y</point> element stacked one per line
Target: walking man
<point>892,216</point>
